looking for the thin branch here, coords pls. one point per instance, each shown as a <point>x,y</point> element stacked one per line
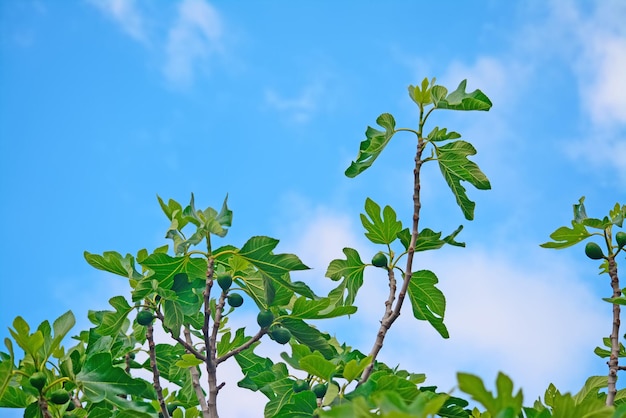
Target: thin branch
<point>614,358</point>
<point>243,346</point>
<point>195,379</point>
<point>155,371</point>
<point>182,342</point>
<point>209,342</point>
<point>392,314</point>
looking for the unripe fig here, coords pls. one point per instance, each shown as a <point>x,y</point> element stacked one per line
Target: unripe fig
<point>265,319</point>
<point>320,390</point>
<point>593,251</point>
<point>620,237</point>
<point>379,260</point>
<point>145,318</point>
<point>235,300</point>
<point>38,380</point>
<point>59,397</point>
<point>300,385</point>
<point>280,335</point>
<point>224,280</point>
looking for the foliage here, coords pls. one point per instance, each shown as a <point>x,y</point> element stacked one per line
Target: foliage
<point>172,288</point>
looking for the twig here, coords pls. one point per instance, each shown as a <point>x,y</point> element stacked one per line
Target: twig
<point>155,371</point>
<point>195,379</point>
<point>243,346</point>
<point>391,314</point>
<point>209,342</point>
<point>614,358</point>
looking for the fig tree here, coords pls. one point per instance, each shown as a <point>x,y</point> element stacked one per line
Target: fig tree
<point>265,319</point>
<point>59,397</point>
<point>224,280</point>
<point>620,237</point>
<point>379,260</point>
<point>145,318</point>
<point>300,385</point>
<point>38,380</point>
<point>280,335</point>
<point>593,251</point>
<point>235,300</point>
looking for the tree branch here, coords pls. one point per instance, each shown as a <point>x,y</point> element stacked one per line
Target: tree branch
<point>243,346</point>
<point>614,358</point>
<point>155,370</point>
<point>195,379</point>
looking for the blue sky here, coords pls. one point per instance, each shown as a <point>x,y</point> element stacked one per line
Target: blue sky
<point>106,103</point>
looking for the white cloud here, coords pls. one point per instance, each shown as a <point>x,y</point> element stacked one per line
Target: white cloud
<point>195,36</point>
<point>299,108</point>
<point>125,13</point>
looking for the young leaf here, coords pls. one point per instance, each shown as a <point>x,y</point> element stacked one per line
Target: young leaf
<point>460,100</point>
<point>456,167</point>
<point>371,147</point>
<point>429,303</point>
<point>113,262</point>
<point>380,230</point>
<point>351,269</point>
<point>566,237</point>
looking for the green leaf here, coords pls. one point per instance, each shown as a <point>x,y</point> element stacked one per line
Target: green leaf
<point>353,369</point>
<point>351,270</point>
<point>309,336</point>
<point>304,308</point>
<point>438,135</point>
<point>620,300</point>
<point>113,262</point>
<point>30,343</point>
<point>301,405</point>
<point>62,325</point>
<point>380,230</point>
<point>456,167</point>
<point>504,405</point>
<point>373,145</point>
<point>101,381</point>
<point>113,321</point>
<point>188,301</point>
<point>428,302</point>
<point>317,365</point>
<point>6,367</point>
<point>165,268</point>
<point>460,100</point>
<point>173,317</point>
<point>428,239</point>
<point>188,360</point>
<point>566,237</point>
<point>421,97</point>
<point>258,252</point>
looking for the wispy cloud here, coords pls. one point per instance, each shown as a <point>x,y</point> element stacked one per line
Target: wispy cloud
<point>193,39</point>
<point>301,107</point>
<point>126,14</point>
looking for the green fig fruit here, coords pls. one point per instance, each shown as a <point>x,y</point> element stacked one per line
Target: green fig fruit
<point>235,300</point>
<point>379,260</point>
<point>593,251</point>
